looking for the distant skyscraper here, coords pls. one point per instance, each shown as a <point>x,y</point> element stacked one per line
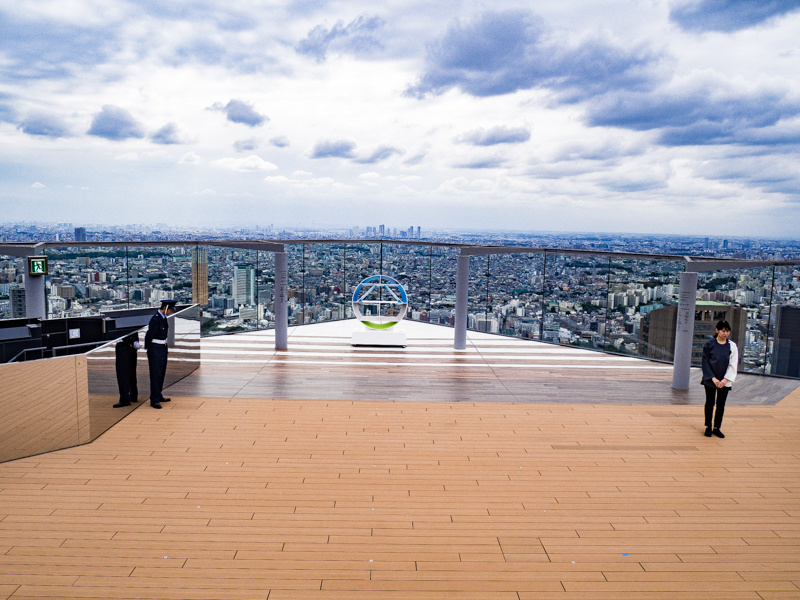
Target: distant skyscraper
<point>18,310</point>
<point>200,276</point>
<point>419,232</point>
<point>244,284</point>
<point>382,230</point>
<point>80,234</point>
<point>786,345</point>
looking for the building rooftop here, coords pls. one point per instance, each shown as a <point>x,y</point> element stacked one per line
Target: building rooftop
<point>511,470</point>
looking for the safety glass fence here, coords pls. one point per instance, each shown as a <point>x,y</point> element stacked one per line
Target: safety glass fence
<point>618,306</point>
<point>584,301</point>
<point>748,299</point>
<point>361,261</point>
<point>321,293</point>
<point>234,279</point>
<point>782,349</point>
<point>12,287</point>
<point>479,315</point>
<point>574,300</point>
<point>265,289</point>
<point>442,300</point>
<point>158,273</point>
<point>516,294</point>
<point>83,281</point>
<point>640,311</point>
<point>411,266</point>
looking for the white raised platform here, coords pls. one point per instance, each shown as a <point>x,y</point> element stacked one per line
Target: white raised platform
<point>378,337</point>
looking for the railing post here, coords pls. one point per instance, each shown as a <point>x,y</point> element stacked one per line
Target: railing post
<point>35,300</point>
<point>684,331</point>
<point>281,301</point>
<point>462,294</point>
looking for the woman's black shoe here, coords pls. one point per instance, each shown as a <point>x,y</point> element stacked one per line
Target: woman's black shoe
<point>708,432</point>
<point>718,433</point>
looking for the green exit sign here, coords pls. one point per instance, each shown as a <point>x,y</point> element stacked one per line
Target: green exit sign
<point>37,265</point>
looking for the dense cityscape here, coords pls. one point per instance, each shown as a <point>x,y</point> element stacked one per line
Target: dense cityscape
<point>589,301</point>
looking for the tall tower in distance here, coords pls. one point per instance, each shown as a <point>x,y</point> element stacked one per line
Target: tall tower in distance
<point>200,276</point>
<point>80,234</point>
<point>18,305</point>
<point>244,284</point>
<point>786,344</point>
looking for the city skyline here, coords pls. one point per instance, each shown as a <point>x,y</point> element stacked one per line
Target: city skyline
<point>668,117</point>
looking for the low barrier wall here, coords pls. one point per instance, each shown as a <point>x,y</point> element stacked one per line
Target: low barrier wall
<point>56,403</point>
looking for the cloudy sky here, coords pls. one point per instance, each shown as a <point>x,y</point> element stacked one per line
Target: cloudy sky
<point>666,116</point>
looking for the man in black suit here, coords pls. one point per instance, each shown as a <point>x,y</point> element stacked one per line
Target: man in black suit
<point>126,369</point>
<point>155,342</point>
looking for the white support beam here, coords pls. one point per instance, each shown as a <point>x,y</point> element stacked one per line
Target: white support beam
<point>281,301</point>
<point>462,295</point>
<point>684,331</point>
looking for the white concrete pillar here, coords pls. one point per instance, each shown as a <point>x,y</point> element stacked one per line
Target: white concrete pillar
<point>684,331</point>
<point>35,300</point>
<point>462,296</point>
<point>281,301</point>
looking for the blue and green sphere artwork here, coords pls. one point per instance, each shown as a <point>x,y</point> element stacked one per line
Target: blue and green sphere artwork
<point>377,295</point>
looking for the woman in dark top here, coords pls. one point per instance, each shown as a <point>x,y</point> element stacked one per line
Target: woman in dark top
<point>720,360</point>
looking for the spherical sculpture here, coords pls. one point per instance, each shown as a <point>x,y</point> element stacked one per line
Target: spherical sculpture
<point>380,291</point>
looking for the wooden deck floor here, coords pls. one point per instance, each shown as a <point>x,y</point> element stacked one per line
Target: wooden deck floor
<point>269,498</point>
<point>321,364</point>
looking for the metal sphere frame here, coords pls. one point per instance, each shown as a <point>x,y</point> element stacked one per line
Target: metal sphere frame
<point>371,292</point>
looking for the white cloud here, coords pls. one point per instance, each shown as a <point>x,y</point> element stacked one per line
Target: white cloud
<point>38,186</point>
<point>462,184</point>
<point>190,158</point>
<point>246,165</point>
<point>165,64</point>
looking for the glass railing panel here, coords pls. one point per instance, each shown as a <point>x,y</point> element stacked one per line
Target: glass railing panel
<point>479,315</point>
<point>12,287</point>
<point>410,265</point>
<point>641,308</point>
<point>516,294</point>
<point>782,351</point>
<point>233,286</point>
<point>444,261</point>
<point>361,261</point>
<point>265,289</point>
<point>324,283</point>
<point>742,297</point>
<point>154,274</point>
<point>295,259</point>
<point>85,281</point>
<point>573,303</point>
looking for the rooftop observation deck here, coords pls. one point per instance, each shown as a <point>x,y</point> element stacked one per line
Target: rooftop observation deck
<point>511,470</point>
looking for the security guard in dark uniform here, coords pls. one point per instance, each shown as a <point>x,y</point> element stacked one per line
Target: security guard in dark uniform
<point>155,342</point>
<point>125,351</point>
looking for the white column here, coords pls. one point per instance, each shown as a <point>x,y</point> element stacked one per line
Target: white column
<point>35,303</point>
<point>462,294</point>
<point>684,331</point>
<point>281,301</point>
